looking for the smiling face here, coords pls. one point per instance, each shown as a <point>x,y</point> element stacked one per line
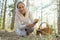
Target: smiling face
<point>21,8</point>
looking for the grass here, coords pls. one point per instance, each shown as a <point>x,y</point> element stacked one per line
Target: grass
<point>0,22</point>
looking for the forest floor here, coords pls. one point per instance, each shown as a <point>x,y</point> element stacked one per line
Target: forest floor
<point>12,36</point>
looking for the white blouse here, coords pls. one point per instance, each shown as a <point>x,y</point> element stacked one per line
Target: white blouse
<point>21,22</point>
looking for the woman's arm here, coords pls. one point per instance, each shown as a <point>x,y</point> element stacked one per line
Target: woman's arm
<point>34,21</point>
<point>31,17</point>
<point>19,24</point>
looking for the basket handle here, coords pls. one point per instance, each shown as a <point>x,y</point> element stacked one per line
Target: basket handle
<point>43,23</point>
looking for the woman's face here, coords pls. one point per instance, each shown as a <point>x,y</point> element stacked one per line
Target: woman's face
<point>21,8</point>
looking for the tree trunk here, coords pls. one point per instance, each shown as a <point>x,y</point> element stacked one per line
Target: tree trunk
<point>3,25</point>
<point>13,17</point>
<point>58,17</point>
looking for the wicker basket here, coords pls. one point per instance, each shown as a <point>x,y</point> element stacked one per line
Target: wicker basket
<point>45,31</point>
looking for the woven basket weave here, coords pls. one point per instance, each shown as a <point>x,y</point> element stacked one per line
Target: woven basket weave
<point>44,31</point>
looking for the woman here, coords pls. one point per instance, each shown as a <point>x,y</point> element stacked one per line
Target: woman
<point>24,20</point>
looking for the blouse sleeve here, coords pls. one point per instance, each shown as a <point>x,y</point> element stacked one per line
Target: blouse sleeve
<point>31,17</point>
<point>19,24</point>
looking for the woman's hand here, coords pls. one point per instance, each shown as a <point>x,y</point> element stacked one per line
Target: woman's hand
<point>30,25</point>
<point>35,21</point>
